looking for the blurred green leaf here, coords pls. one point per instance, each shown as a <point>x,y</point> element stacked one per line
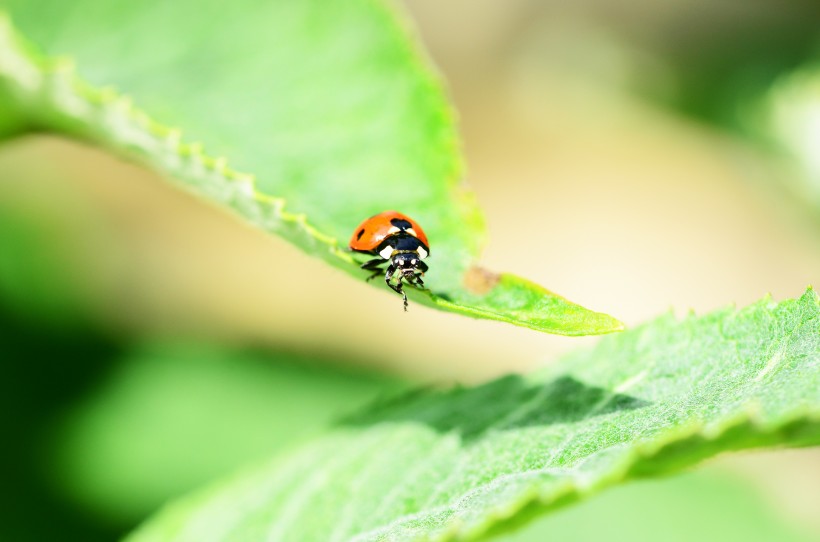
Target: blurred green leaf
<point>788,116</point>
<point>326,106</point>
<point>43,254</point>
<point>46,367</point>
<point>27,280</point>
<point>175,416</point>
<point>462,463</point>
<point>706,506</point>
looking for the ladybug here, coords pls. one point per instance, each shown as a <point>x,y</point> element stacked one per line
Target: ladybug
<point>397,239</point>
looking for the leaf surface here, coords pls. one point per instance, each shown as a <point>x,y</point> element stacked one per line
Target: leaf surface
<point>472,462</point>
<point>726,508</point>
<point>326,110</point>
<point>211,407</point>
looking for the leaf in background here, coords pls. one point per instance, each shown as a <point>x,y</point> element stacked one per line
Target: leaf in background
<point>788,116</point>
<point>47,365</point>
<point>462,463</point>
<point>174,416</point>
<point>326,106</point>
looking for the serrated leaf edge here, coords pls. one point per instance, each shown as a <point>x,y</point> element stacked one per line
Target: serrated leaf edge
<point>537,502</point>
<point>757,431</point>
<point>105,116</point>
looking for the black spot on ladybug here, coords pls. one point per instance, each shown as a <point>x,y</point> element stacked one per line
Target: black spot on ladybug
<point>401,224</point>
<point>401,241</point>
<point>359,235</point>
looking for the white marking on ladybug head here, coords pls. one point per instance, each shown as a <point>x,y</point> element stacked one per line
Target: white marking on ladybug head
<point>412,232</point>
<point>392,230</point>
<point>386,252</point>
<point>422,252</point>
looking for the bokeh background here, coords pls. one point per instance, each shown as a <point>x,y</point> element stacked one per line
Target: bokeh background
<point>635,157</point>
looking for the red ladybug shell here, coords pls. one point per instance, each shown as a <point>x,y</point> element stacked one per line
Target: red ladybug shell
<point>372,231</point>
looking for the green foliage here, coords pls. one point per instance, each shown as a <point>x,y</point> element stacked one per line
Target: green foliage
<point>328,115</point>
<point>787,119</point>
<point>210,407</point>
<point>468,462</point>
<point>327,107</point>
<point>705,506</point>
<point>46,367</point>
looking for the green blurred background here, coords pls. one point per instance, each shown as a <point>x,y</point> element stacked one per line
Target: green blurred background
<point>633,156</point>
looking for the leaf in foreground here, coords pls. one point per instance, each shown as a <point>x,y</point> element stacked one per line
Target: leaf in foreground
<point>466,462</point>
<point>728,509</point>
<point>326,110</point>
<point>212,409</point>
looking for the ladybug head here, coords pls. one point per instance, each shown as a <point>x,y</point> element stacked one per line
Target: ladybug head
<point>406,263</point>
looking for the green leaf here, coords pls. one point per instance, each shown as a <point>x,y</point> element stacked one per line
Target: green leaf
<point>212,409</point>
<point>708,506</point>
<point>476,461</point>
<point>326,110</point>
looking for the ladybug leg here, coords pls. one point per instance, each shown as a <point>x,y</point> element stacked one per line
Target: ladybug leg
<point>389,275</point>
<point>403,295</point>
<point>415,278</point>
<point>398,287</point>
<point>373,265</point>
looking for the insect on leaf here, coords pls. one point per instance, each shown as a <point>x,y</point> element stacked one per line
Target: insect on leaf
<point>326,111</point>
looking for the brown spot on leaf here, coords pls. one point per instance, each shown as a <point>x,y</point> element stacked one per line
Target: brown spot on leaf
<point>480,281</point>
